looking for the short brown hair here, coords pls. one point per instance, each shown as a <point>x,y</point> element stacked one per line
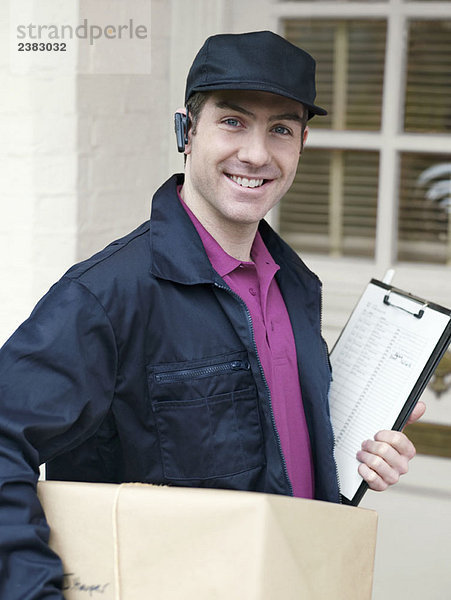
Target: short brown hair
<point>194,108</point>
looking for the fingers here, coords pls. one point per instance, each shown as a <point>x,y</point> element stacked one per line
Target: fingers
<point>398,441</point>
<point>417,412</point>
<point>385,459</point>
<point>374,481</point>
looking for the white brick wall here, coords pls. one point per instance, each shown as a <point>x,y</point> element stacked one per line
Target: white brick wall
<point>80,159</point>
<point>38,182</point>
<point>122,134</point>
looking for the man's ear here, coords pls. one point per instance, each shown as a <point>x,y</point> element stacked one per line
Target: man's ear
<point>304,138</point>
<point>188,136</point>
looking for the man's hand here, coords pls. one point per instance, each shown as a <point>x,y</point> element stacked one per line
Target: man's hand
<point>385,458</point>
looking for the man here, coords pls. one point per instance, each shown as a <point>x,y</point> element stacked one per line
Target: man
<point>189,352</point>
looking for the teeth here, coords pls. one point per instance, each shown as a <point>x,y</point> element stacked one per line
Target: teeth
<point>245,182</point>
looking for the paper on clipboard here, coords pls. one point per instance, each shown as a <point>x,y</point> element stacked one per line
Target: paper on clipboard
<point>380,357</point>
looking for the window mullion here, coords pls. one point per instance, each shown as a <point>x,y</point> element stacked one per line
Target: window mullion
<point>340,79</point>
<point>392,113</point>
<point>336,186</point>
<point>336,201</point>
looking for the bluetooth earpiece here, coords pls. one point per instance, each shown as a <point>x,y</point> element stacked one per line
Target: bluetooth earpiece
<point>181,122</point>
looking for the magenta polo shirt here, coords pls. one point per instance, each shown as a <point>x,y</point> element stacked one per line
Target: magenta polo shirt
<point>255,283</point>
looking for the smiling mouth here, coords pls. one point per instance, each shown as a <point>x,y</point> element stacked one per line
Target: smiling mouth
<point>247,182</point>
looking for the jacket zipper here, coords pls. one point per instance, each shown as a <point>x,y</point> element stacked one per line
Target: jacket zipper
<point>268,392</point>
<point>196,372</point>
<point>330,367</point>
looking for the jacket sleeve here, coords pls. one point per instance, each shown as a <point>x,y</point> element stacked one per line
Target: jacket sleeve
<point>57,375</point>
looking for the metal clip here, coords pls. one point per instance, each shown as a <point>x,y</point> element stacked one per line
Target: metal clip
<point>418,314</point>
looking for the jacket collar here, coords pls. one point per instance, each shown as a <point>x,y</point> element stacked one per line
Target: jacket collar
<point>177,250</point>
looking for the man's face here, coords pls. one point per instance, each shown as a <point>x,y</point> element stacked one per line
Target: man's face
<point>242,157</point>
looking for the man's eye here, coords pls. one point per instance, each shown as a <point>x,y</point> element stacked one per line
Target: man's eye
<point>231,122</point>
<point>282,130</point>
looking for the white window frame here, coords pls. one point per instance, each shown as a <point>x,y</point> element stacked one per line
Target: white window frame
<point>391,141</point>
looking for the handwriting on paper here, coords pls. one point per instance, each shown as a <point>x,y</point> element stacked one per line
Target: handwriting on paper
<point>73,582</point>
<point>401,359</point>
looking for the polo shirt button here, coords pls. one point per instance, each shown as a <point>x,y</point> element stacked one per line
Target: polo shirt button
<point>252,291</point>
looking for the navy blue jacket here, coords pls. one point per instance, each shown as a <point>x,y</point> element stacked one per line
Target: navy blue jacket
<point>140,365</point>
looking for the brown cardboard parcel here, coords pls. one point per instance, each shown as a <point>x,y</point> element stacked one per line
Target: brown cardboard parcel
<point>133,542</point>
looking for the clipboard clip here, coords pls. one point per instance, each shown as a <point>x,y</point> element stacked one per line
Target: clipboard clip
<point>417,315</point>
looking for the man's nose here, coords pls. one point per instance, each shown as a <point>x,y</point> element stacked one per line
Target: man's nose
<point>254,149</point>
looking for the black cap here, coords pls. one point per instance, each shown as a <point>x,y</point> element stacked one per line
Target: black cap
<point>259,60</point>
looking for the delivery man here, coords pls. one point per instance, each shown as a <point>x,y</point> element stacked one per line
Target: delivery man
<point>189,352</point>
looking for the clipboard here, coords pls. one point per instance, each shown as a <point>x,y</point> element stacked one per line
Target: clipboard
<point>381,363</point>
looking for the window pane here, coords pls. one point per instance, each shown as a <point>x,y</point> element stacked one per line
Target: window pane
<point>331,207</point>
<point>361,172</point>
<point>350,57</point>
<point>428,88</point>
<point>304,211</point>
<point>425,208</point>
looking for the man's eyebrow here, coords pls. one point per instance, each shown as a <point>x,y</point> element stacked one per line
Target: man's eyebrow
<point>287,117</point>
<point>235,107</point>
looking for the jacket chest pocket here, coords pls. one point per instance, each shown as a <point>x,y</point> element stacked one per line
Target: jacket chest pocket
<point>207,417</point>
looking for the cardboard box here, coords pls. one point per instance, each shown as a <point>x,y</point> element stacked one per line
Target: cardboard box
<point>139,542</point>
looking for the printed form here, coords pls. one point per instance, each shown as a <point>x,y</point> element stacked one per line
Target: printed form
<point>376,363</point>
